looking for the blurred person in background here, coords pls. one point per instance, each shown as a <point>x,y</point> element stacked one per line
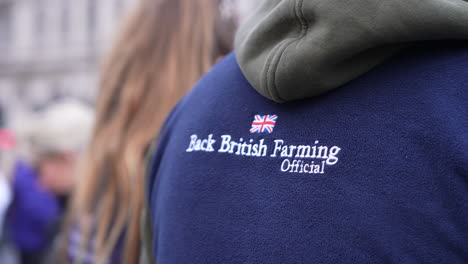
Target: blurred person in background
<point>163,49</point>
<point>7,143</point>
<point>41,186</point>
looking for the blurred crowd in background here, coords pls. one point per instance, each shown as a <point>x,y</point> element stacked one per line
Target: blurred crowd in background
<point>51,72</point>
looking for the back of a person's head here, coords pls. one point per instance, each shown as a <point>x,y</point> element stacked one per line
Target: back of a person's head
<point>63,126</point>
<point>164,47</point>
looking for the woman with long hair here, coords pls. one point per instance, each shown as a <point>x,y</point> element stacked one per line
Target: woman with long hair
<point>163,49</point>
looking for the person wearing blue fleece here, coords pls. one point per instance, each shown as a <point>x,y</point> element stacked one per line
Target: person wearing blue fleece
<point>336,133</point>
<point>34,213</point>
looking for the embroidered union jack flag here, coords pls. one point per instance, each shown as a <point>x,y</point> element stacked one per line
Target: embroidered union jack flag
<point>263,123</point>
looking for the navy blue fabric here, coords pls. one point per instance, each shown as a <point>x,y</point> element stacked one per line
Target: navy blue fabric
<point>397,194</point>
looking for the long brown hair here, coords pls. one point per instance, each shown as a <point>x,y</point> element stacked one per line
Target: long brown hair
<point>163,49</point>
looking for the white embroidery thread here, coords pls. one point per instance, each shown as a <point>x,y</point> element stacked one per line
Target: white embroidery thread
<point>310,159</point>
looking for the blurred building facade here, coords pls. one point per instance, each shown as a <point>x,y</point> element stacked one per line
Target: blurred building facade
<point>51,48</point>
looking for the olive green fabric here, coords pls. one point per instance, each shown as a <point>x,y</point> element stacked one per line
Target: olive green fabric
<point>146,231</point>
<point>146,250</point>
<point>294,49</point>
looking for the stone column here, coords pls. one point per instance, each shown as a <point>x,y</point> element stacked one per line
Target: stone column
<point>105,23</point>
<point>22,29</point>
<point>52,28</point>
<point>78,26</point>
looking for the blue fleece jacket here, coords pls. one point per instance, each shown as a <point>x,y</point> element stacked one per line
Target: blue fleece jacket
<point>373,172</point>
<point>34,211</point>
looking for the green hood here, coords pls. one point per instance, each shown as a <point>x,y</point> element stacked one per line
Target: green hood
<point>294,49</point>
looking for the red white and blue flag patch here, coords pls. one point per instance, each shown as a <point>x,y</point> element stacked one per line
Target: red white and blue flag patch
<point>263,123</point>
